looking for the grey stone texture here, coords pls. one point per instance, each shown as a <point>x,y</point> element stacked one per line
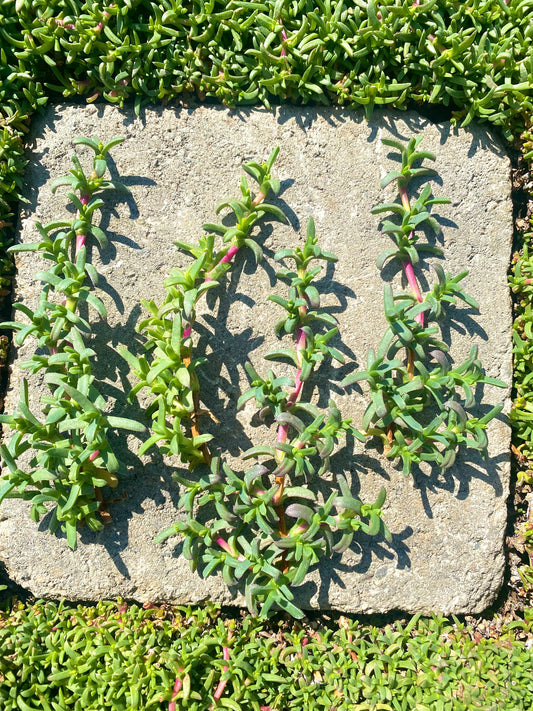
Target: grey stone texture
<point>447,551</point>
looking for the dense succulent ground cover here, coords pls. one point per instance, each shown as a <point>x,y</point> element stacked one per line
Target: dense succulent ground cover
<point>120,657</point>
<point>473,59</point>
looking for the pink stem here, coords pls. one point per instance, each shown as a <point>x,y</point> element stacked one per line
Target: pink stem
<point>407,264</point>
<point>283,39</point>
<point>404,197</point>
<point>283,428</point>
<point>300,345</point>
<point>258,198</point>
<point>80,242</point>
<point>413,283</point>
<point>81,238</point>
<point>232,251</point>
<point>222,683</point>
<point>177,689</point>
<point>224,544</point>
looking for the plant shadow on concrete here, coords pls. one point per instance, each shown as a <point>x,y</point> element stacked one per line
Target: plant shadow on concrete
<point>216,531</point>
<point>302,432</point>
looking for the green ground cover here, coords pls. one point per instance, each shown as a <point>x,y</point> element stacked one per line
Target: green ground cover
<point>120,657</point>
<point>464,61</point>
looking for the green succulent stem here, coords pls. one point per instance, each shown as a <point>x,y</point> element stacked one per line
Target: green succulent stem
<point>283,429</point>
<point>419,405</point>
<point>71,455</point>
<point>170,373</point>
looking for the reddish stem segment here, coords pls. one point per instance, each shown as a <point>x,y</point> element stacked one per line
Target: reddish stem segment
<point>283,428</point>
<point>407,264</point>
<point>222,683</point>
<point>175,691</point>
<point>226,259</point>
<point>284,38</point>
<point>409,272</point>
<point>413,283</point>
<point>81,236</point>
<point>228,549</point>
<point>258,199</point>
<point>232,251</point>
<point>187,332</point>
<point>223,544</point>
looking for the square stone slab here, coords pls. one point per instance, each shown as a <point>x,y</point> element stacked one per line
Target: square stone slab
<point>447,551</point>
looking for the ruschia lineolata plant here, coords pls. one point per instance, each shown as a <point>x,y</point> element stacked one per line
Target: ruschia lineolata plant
<point>264,526</point>
<point>62,455</point>
<point>171,372</point>
<point>419,402</point>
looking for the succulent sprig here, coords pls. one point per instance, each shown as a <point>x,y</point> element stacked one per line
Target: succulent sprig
<point>303,315</point>
<point>12,164</point>
<point>521,282</point>
<point>61,457</point>
<point>419,402</point>
<point>169,370</point>
<point>265,527</point>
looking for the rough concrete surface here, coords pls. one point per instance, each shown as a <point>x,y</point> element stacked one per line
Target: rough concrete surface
<point>447,551</point>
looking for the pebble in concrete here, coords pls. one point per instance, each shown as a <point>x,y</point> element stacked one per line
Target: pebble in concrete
<point>447,552</point>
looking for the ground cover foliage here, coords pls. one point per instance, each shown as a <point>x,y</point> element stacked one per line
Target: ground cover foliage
<point>120,657</point>
<point>475,60</point>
